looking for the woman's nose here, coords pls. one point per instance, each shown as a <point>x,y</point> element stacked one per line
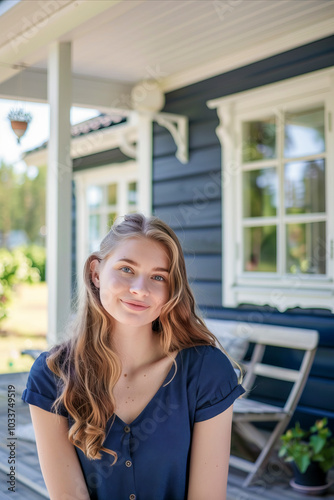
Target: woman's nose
<point>139,286</point>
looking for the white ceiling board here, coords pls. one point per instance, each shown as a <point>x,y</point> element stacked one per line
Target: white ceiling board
<point>34,26</point>
<point>176,36</point>
<point>182,41</point>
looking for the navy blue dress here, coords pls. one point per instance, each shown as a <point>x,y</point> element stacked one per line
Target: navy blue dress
<point>154,450</point>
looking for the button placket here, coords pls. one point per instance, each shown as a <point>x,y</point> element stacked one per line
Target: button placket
<point>128,463</point>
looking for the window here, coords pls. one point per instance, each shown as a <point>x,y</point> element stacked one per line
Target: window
<point>277,145</point>
<point>283,162</point>
<point>102,203</point>
<point>102,194</point>
<point>132,196</point>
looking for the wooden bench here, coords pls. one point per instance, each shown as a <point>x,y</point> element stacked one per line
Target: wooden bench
<point>248,410</point>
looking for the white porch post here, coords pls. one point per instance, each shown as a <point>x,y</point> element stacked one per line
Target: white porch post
<point>59,189</point>
<point>144,158</point>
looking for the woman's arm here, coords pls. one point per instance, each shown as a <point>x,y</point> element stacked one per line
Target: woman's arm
<point>209,458</point>
<point>57,457</point>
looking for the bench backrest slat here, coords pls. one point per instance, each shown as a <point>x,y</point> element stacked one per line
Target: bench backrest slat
<point>276,372</point>
<point>275,336</point>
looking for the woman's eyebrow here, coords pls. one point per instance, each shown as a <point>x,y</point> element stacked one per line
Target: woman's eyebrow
<point>132,262</point>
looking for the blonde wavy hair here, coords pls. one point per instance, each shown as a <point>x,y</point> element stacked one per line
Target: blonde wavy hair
<point>86,364</point>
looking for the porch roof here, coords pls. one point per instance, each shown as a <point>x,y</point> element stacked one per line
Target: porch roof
<point>117,43</point>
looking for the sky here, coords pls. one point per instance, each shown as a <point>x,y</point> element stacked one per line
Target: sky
<point>37,131</point>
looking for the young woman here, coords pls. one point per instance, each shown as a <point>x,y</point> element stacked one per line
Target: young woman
<point>137,403</point>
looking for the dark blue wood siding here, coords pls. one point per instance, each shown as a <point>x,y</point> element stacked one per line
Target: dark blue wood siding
<point>188,197</point>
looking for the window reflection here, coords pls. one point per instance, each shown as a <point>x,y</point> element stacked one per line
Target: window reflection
<point>259,140</point>
<point>94,196</point>
<point>305,187</point>
<point>304,133</point>
<point>132,193</point>
<point>94,232</point>
<point>112,194</point>
<point>260,193</point>
<point>260,249</point>
<point>111,219</point>
<point>306,248</point>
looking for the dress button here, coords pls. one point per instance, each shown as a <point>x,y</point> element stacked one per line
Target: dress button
<point>128,463</point>
<point>132,497</point>
<point>127,428</point>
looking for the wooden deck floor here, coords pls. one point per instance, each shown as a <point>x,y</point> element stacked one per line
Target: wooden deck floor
<point>29,483</point>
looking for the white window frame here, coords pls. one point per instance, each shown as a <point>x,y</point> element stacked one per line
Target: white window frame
<point>121,174</point>
<point>298,290</point>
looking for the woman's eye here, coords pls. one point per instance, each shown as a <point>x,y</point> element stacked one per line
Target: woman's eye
<point>126,269</point>
<point>159,278</point>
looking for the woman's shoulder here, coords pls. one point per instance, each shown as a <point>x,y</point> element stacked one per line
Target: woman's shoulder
<point>205,358</point>
<point>40,368</point>
<point>207,351</point>
<point>211,380</point>
<point>43,386</point>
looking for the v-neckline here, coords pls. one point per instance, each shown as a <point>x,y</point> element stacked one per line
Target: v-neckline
<point>151,400</point>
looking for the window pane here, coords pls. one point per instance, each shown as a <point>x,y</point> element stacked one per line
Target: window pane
<point>132,193</point>
<point>304,133</point>
<point>306,248</point>
<point>260,249</point>
<point>258,140</point>
<point>112,194</point>
<point>305,187</point>
<point>94,196</point>
<point>111,219</point>
<point>94,232</point>
<point>260,193</point>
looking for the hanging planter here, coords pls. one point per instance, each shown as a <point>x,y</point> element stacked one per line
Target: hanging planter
<point>19,121</point>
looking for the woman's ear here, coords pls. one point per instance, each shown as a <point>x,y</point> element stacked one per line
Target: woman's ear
<point>94,268</point>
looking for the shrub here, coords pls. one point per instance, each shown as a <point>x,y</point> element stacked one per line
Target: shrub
<point>15,268</point>
<point>37,256</point>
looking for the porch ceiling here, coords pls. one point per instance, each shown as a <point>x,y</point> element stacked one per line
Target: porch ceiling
<point>176,42</point>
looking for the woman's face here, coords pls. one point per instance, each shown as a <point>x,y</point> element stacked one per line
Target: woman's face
<point>133,281</point>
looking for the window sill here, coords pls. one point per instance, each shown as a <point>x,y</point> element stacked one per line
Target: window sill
<point>282,297</point>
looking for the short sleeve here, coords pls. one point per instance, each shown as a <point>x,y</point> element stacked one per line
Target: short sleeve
<point>217,386</point>
<point>42,386</point>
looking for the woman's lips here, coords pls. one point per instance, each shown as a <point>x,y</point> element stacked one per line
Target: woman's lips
<point>135,306</point>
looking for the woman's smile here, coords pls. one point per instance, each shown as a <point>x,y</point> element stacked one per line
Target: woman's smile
<point>135,306</point>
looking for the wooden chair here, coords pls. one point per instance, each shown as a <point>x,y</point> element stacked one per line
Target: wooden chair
<point>248,410</point>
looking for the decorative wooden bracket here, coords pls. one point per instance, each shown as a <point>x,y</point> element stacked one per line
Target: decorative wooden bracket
<point>177,125</point>
<point>127,146</point>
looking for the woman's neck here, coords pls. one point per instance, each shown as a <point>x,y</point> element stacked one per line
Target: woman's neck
<point>136,347</point>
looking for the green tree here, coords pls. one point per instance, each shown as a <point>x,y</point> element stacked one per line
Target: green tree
<point>7,183</point>
<point>22,202</point>
<point>33,200</point>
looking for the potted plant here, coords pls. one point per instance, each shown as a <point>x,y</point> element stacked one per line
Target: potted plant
<point>19,121</point>
<point>312,454</point>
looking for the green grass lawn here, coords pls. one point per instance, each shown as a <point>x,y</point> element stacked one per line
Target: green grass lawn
<point>25,327</point>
